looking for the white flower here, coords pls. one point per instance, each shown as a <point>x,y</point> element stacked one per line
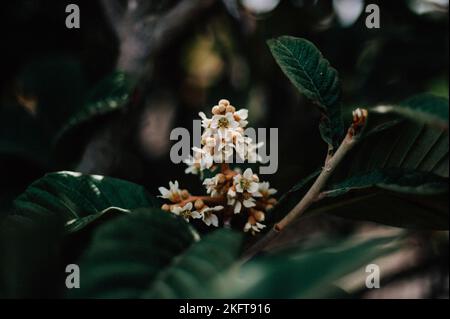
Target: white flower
<point>193,166</point>
<point>246,183</point>
<point>265,190</point>
<point>241,116</point>
<point>211,186</point>
<point>233,200</point>
<point>254,228</point>
<point>206,122</point>
<point>185,212</point>
<point>173,193</point>
<point>209,218</point>
<point>224,122</point>
<point>204,154</point>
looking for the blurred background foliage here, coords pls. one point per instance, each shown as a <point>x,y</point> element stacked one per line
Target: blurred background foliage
<point>48,69</point>
<point>50,73</point>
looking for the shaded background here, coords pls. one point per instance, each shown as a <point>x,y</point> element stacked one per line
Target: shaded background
<point>49,70</point>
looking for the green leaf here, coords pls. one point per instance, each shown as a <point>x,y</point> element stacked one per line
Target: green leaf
<point>394,197</point>
<point>396,175</point>
<point>190,274</point>
<point>303,272</point>
<point>128,254</point>
<point>152,254</point>
<point>52,222</point>
<point>74,195</point>
<point>313,76</point>
<point>424,108</point>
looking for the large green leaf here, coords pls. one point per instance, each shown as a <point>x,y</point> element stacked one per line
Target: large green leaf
<point>397,174</point>
<point>74,195</point>
<point>127,255</point>
<point>313,76</point>
<point>153,254</point>
<point>303,272</point>
<point>52,222</point>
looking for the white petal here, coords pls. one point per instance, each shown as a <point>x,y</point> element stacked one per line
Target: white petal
<point>202,115</point>
<point>239,188</point>
<point>242,113</point>
<point>188,206</point>
<point>248,174</point>
<point>253,187</point>
<point>237,208</point>
<point>196,214</point>
<point>249,203</point>
<point>164,191</point>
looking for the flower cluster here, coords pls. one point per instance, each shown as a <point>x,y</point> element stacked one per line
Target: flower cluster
<point>230,192</point>
<point>223,136</point>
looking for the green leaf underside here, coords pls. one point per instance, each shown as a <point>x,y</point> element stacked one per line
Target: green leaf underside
<point>151,253</point>
<point>73,195</point>
<point>313,76</point>
<point>396,175</point>
<point>304,273</point>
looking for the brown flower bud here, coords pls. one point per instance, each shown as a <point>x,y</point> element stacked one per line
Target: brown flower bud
<point>269,207</point>
<point>184,193</point>
<point>165,207</point>
<point>222,108</point>
<point>272,201</point>
<point>259,215</point>
<point>199,204</point>
<point>230,108</point>
<point>224,102</point>
<point>215,110</point>
<point>220,178</point>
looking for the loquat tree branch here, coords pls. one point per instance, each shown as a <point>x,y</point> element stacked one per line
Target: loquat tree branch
<point>314,193</point>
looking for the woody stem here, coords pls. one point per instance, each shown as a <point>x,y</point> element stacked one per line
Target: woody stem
<point>311,196</point>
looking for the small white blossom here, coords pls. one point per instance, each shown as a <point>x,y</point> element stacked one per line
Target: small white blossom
<point>233,200</point>
<point>265,190</point>
<point>211,185</point>
<point>204,154</point>
<point>254,228</point>
<point>224,122</point>
<point>185,212</point>
<point>173,193</point>
<point>208,217</point>
<point>246,182</point>
<point>241,117</point>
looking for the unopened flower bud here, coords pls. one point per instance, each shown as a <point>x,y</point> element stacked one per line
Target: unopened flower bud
<point>255,178</point>
<point>222,108</point>
<point>184,194</point>
<point>165,207</point>
<point>230,108</point>
<point>221,178</point>
<point>224,102</point>
<point>259,215</point>
<point>199,204</point>
<point>215,110</point>
<point>269,207</point>
<point>272,201</point>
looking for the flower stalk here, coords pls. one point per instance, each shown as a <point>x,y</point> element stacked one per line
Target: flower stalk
<point>314,193</point>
